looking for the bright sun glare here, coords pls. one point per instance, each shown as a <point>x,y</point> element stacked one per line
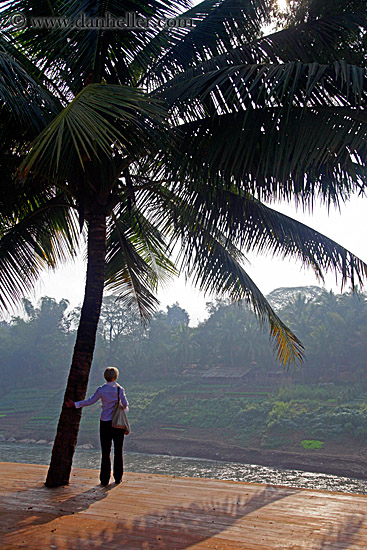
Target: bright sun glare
<point>282,4</point>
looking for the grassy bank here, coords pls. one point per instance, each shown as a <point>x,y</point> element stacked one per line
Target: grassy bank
<point>310,419</point>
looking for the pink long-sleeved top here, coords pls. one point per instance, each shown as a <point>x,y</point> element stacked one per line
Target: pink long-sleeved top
<point>108,395</point>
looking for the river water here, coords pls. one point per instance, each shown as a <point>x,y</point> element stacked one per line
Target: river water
<point>191,467</point>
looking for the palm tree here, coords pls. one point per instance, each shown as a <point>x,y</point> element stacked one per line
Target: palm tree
<point>228,335</point>
<point>184,345</point>
<point>155,138</point>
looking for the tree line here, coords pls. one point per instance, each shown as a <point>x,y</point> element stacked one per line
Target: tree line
<point>35,349</point>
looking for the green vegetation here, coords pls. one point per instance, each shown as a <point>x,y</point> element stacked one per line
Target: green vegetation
<point>36,350</point>
<point>252,403</point>
<point>278,419</point>
<point>311,444</point>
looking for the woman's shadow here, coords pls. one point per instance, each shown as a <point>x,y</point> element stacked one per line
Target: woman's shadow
<point>45,505</point>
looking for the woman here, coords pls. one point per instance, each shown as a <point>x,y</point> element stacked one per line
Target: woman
<point>108,394</point>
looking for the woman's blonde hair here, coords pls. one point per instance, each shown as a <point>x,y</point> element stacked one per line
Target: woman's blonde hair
<point>111,374</point>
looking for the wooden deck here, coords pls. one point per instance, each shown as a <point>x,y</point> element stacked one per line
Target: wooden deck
<point>172,513</point>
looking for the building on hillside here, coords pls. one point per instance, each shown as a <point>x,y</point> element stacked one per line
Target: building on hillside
<point>227,374</point>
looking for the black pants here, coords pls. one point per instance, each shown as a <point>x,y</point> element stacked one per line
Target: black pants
<point>107,435</point>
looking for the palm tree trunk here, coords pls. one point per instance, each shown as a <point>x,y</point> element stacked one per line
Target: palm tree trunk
<point>68,426</point>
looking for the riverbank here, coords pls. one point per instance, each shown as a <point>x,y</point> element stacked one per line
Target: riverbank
<point>159,464</point>
<point>254,427</point>
<point>308,461</point>
<point>159,442</point>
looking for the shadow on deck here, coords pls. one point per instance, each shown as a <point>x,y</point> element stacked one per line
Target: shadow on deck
<point>168,513</point>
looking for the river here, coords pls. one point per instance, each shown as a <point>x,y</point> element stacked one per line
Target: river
<point>191,467</point>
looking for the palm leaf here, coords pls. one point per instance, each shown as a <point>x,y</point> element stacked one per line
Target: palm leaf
<point>218,26</point>
<point>298,154</point>
<point>213,265</point>
<point>21,96</point>
<point>255,227</point>
<point>100,122</point>
<point>212,261</point>
<point>246,86</point>
<point>136,261</point>
<point>43,236</point>
<point>77,56</point>
<point>324,40</point>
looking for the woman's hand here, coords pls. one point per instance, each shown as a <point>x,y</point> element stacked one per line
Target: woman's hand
<point>69,403</point>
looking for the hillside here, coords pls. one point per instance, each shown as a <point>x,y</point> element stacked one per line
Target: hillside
<point>295,426</point>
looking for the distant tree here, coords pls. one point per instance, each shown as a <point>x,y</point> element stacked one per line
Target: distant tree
<point>282,297</point>
<point>231,336</point>
<point>157,347</point>
<point>333,328</point>
<point>228,333</point>
<point>302,313</point>
<point>177,316</point>
<point>184,345</point>
<point>36,349</point>
<point>116,321</point>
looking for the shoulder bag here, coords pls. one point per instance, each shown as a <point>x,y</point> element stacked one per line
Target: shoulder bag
<point>119,418</point>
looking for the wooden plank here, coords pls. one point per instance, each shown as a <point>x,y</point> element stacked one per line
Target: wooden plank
<point>173,513</point>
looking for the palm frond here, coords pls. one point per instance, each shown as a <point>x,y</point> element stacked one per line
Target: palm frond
<point>101,121</point>
<point>255,227</point>
<point>136,261</point>
<point>322,41</point>
<point>76,56</point>
<point>240,87</point>
<point>217,26</point>
<point>291,129</point>
<point>212,261</point>
<point>301,154</point>
<point>44,236</point>
<point>21,96</point>
<point>213,266</point>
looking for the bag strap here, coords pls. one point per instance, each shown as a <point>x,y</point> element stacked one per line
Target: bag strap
<point>118,394</point>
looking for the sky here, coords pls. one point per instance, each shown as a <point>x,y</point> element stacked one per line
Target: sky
<point>346,227</point>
